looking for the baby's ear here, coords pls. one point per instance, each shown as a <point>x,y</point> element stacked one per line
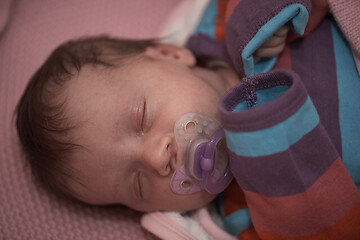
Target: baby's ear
<point>169,52</point>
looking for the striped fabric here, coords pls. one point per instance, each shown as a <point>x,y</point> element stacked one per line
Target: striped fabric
<point>294,181</point>
<point>292,133</point>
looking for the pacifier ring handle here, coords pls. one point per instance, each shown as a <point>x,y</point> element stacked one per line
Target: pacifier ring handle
<point>205,153</point>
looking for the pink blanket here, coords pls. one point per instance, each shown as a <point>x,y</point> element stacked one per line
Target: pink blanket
<point>34,28</point>
<point>346,13</point>
<point>29,30</point>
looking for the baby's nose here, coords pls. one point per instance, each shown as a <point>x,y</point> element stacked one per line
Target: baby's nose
<point>159,154</point>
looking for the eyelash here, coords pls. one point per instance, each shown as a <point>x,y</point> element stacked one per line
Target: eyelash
<point>143,117</point>
<point>139,184</point>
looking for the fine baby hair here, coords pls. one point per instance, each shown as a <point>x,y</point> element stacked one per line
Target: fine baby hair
<point>42,124</point>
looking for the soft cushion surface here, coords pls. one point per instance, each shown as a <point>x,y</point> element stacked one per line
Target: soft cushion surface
<point>34,28</point>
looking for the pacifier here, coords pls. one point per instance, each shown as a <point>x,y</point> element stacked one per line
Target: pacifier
<point>203,156</point>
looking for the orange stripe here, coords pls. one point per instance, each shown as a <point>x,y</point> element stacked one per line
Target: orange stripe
<point>234,199</point>
<point>220,19</point>
<point>347,228</point>
<point>249,234</point>
<point>319,9</point>
<point>321,206</point>
<point>284,59</point>
<point>230,8</point>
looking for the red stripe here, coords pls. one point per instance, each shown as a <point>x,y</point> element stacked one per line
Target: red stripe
<point>319,9</point>
<point>284,59</point>
<point>220,19</point>
<point>327,201</point>
<point>346,228</point>
<point>234,199</point>
<point>230,8</point>
<point>249,234</point>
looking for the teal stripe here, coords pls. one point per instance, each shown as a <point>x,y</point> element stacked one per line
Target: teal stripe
<point>263,96</point>
<point>298,15</point>
<point>264,65</point>
<point>277,138</point>
<point>238,221</point>
<point>207,22</point>
<point>349,103</point>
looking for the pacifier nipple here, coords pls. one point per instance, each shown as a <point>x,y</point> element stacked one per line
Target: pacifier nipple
<point>192,133</point>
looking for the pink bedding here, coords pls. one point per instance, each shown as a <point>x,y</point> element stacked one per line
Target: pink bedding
<point>33,29</point>
<point>29,30</point>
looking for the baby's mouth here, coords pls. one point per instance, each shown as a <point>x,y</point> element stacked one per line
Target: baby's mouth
<point>189,127</point>
<point>206,166</point>
<point>188,130</point>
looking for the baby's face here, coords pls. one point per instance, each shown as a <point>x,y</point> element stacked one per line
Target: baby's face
<point>126,119</point>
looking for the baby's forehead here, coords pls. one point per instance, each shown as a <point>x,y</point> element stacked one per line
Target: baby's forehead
<point>89,81</point>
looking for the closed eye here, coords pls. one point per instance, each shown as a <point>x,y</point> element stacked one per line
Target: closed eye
<point>139,185</point>
<point>143,117</point>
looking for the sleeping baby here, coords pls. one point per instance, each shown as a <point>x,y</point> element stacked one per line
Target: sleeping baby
<point>261,119</point>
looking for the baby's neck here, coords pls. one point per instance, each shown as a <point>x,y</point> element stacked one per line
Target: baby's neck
<point>225,71</point>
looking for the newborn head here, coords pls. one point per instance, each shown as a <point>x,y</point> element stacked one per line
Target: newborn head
<point>97,120</point>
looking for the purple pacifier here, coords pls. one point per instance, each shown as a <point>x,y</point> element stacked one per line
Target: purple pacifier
<point>202,154</point>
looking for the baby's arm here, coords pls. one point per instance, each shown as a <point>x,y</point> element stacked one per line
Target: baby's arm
<point>294,180</point>
<point>257,29</point>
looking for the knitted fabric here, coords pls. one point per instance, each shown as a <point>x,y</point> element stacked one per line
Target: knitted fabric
<point>34,29</point>
<point>346,13</point>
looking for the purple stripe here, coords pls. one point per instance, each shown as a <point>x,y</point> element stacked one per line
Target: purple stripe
<point>265,115</point>
<point>248,17</point>
<point>204,47</point>
<point>314,60</point>
<point>289,172</point>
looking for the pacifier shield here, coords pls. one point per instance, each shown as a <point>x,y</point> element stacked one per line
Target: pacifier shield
<point>189,127</point>
<point>191,132</point>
